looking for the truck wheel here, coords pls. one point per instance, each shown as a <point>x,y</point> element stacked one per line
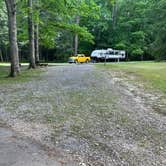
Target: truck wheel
<point>87,61</point>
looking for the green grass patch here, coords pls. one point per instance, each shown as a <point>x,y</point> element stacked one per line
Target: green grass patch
<point>25,75</point>
<point>152,74</point>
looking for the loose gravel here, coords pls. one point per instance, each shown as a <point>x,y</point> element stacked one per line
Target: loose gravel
<point>87,114</point>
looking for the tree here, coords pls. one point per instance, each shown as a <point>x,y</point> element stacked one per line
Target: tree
<point>138,26</point>
<point>58,16</point>
<point>32,63</point>
<point>36,31</point>
<point>83,9</point>
<point>3,31</point>
<point>158,27</point>
<point>11,10</point>
<point>76,37</point>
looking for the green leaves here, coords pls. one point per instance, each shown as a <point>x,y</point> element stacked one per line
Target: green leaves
<point>3,24</point>
<point>121,45</point>
<point>138,26</point>
<point>158,46</point>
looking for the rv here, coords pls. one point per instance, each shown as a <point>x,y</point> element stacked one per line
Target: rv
<point>99,55</point>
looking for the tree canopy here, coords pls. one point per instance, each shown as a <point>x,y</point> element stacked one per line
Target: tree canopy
<point>137,26</point>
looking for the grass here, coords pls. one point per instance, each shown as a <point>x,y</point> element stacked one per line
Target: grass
<point>25,75</point>
<point>151,74</point>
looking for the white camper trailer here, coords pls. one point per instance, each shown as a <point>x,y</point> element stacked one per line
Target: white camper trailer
<point>108,54</point>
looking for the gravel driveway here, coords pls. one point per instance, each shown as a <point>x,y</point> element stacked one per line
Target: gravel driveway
<point>85,116</point>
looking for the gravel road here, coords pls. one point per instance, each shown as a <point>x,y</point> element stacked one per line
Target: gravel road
<point>16,150</point>
<point>81,115</point>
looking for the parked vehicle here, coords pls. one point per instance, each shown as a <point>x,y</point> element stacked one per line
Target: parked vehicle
<point>108,54</point>
<point>80,58</point>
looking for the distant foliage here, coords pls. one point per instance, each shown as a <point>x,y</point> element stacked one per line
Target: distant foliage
<point>137,26</point>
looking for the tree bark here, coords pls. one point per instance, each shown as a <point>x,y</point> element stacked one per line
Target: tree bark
<point>14,58</point>
<point>37,59</point>
<point>37,33</point>
<point>6,53</point>
<point>76,37</point>
<point>1,57</point>
<point>31,36</point>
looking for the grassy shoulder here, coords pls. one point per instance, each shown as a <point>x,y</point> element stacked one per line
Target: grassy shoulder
<point>25,75</point>
<point>151,74</point>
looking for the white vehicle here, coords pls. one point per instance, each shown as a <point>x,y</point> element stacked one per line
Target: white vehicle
<point>108,54</point>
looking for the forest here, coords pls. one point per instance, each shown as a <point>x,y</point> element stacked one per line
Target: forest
<point>51,31</point>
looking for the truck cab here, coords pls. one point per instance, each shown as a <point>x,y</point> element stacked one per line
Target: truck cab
<point>80,58</point>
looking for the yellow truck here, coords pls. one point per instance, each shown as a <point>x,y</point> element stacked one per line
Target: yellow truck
<point>80,58</point>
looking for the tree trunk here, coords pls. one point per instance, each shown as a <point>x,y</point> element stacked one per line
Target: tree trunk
<point>11,10</point>
<point>37,43</point>
<point>37,33</point>
<point>31,36</point>
<point>1,57</point>
<point>76,37</point>
<point>6,53</point>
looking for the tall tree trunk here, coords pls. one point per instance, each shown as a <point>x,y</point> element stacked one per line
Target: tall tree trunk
<point>37,43</point>
<point>31,36</point>
<point>6,53</point>
<point>11,10</point>
<point>37,33</point>
<point>1,57</point>
<point>76,37</point>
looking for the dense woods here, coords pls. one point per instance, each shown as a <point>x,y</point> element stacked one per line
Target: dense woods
<point>54,30</point>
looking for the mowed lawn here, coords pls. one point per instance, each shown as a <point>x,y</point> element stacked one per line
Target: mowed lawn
<point>24,76</point>
<point>151,74</point>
